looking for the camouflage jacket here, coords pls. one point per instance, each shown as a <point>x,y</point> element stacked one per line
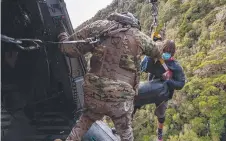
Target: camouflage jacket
<point>114,73</point>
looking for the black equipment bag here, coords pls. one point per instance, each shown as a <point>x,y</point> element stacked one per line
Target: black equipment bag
<point>155,91</point>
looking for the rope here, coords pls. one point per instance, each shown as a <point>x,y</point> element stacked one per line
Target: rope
<point>160,105</point>
<point>154,14</point>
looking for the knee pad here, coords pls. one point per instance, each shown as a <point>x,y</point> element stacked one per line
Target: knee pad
<point>161,120</point>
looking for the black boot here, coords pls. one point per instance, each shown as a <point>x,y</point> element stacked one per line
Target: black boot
<point>135,109</point>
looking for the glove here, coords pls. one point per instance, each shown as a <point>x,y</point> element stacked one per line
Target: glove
<point>68,49</point>
<point>63,36</point>
<point>167,75</point>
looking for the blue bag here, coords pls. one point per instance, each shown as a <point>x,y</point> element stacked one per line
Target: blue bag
<point>144,64</point>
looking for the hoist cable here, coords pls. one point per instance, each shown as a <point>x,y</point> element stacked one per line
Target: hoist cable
<point>154,15</point>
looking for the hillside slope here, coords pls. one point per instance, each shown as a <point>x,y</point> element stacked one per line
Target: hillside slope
<point>198,112</point>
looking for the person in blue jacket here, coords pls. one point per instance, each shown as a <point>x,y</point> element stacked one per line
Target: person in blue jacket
<point>174,78</point>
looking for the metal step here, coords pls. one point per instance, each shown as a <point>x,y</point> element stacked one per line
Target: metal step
<point>5,117</point>
<point>50,125</point>
<point>49,113</point>
<point>58,128</point>
<point>45,137</point>
<point>5,124</point>
<point>9,88</point>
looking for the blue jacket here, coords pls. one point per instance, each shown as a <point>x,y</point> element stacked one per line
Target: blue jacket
<point>156,70</point>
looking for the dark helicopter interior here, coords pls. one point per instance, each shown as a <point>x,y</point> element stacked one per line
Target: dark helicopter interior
<point>36,98</point>
<point>41,95</point>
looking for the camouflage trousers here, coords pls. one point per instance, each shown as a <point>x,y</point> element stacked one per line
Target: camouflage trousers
<point>119,112</point>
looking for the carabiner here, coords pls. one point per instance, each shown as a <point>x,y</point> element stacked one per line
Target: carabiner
<point>36,46</point>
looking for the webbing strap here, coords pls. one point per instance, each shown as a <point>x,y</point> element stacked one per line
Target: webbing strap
<point>164,64</point>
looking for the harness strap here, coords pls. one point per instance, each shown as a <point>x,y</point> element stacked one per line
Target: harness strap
<point>164,64</point>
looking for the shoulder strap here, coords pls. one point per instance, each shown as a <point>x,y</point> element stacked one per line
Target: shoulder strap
<point>164,64</point>
<point>115,28</point>
<point>111,33</point>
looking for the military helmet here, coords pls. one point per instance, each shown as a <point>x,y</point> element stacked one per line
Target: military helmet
<point>130,15</point>
<point>125,18</point>
<point>135,20</point>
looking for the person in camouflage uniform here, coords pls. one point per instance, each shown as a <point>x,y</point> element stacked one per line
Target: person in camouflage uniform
<point>111,83</point>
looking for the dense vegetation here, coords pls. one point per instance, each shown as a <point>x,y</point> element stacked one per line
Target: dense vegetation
<point>198,111</point>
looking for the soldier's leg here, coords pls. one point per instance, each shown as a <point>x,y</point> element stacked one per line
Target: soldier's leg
<point>160,113</point>
<point>122,118</point>
<point>86,119</point>
<point>81,127</point>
